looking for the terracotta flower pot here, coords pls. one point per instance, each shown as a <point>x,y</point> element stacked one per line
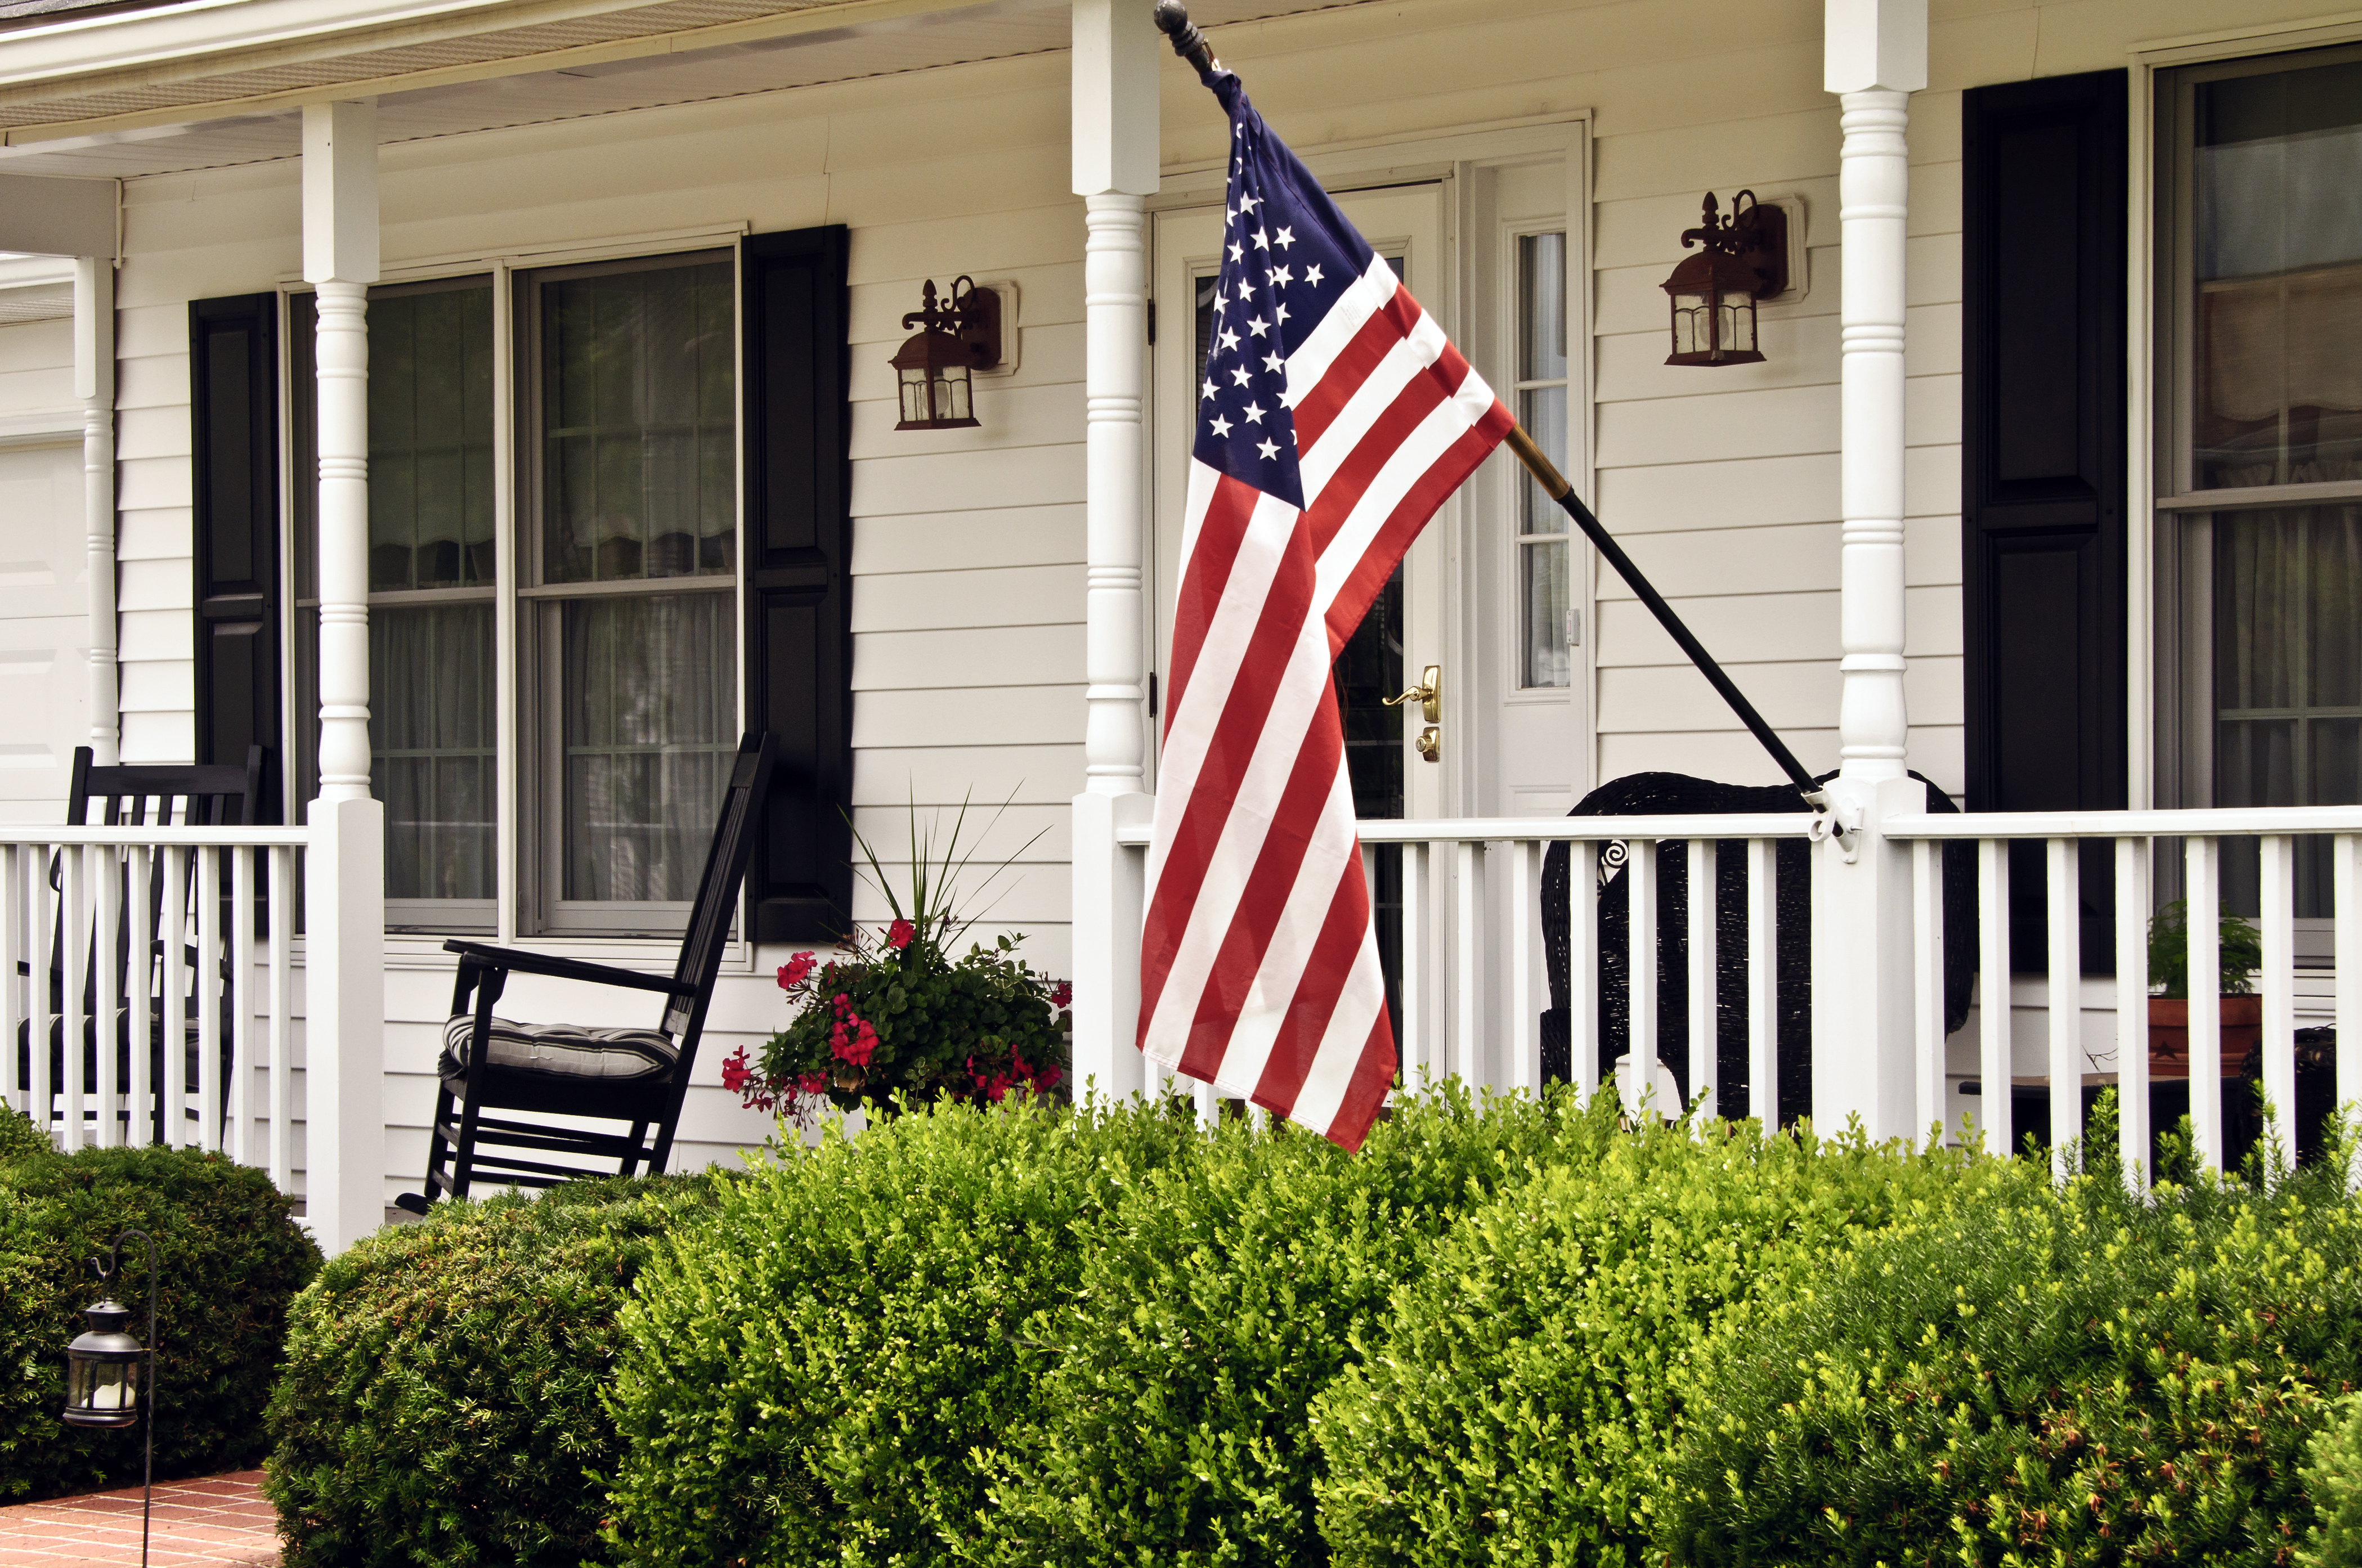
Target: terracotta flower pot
<point>2168,1033</point>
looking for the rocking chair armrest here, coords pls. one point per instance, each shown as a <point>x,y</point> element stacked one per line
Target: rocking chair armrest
<point>515,961</point>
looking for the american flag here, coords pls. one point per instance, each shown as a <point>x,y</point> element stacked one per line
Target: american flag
<point>1332,419</point>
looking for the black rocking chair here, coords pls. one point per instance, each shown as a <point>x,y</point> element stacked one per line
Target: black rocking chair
<point>137,795</point>
<point>635,1076</point>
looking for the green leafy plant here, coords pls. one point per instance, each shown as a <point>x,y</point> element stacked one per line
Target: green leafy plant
<point>231,1260</point>
<point>440,1401</point>
<point>2332,1474</point>
<point>2035,1375</point>
<point>2240,949</point>
<point>894,1016</point>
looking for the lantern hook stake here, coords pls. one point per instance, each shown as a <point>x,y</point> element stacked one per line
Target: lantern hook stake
<point>106,1271</point>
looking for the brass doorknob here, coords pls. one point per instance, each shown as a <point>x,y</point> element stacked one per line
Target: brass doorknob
<point>1429,695</point>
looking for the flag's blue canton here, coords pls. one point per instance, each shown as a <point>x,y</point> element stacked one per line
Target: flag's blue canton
<point>1287,254</point>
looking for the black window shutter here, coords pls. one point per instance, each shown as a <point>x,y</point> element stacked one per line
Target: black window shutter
<point>2042,461</point>
<point>797,541</point>
<point>234,430</point>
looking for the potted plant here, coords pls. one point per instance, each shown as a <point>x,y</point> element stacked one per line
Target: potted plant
<point>2241,949</point>
<point>898,1012</point>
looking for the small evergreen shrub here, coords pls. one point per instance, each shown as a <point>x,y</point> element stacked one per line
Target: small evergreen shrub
<point>1216,1301</point>
<point>230,1261</point>
<point>2333,1476</point>
<point>2047,1375</point>
<point>811,1369</point>
<point>1521,1399</point>
<point>440,1400</point>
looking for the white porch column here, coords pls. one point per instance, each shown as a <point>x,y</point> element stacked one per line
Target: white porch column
<point>345,902</point>
<point>94,389</point>
<point>1115,163</point>
<point>1876,56</point>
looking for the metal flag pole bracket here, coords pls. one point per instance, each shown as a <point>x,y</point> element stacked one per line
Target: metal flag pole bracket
<point>1189,43</point>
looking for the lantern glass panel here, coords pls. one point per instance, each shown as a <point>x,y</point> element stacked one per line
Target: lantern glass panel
<point>952,402</point>
<point>1693,323</point>
<point>102,1387</point>
<point>914,395</point>
<point>1737,324</point>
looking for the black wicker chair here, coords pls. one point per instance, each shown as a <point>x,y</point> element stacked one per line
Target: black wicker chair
<point>1652,795</point>
<point>137,795</point>
<point>638,1076</point>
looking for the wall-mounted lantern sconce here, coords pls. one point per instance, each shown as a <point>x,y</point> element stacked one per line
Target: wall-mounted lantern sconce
<point>957,338</point>
<point>1745,258</point>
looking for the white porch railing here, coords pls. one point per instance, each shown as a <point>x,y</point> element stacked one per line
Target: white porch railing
<point>1473,971</point>
<point>167,954</point>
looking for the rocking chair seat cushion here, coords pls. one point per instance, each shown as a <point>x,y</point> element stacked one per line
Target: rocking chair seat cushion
<point>562,1051</point>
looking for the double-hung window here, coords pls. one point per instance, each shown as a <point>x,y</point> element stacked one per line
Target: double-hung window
<point>621,570</point>
<point>2260,510</point>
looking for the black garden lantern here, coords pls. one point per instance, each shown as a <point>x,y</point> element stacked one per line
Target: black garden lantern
<point>1744,256</point>
<point>957,338</point>
<point>104,1364</point>
<point>102,1370</point>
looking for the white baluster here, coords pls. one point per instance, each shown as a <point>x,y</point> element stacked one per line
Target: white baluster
<point>98,878</point>
<point>281,1022</point>
<point>1640,973</point>
<point>2132,1009</point>
<point>242,1053</point>
<point>1525,1020</point>
<point>1995,1067</point>
<point>45,1019</point>
<point>1763,982</point>
<point>1467,1001</point>
<point>2346,860</point>
<point>139,1027</point>
<point>1705,1014</point>
<point>2200,858</point>
<point>209,989</point>
<point>2066,998</point>
<point>74,937</point>
<point>1583,967</point>
<point>2278,1045</point>
<point>1927,985</point>
<point>1415,1049</point>
<point>174,996</point>
<point>16,1089</point>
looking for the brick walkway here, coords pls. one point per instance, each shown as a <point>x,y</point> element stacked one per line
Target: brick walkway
<point>221,1519</point>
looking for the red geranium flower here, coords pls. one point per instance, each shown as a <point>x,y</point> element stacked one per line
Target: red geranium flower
<point>899,935</point>
<point>792,972</point>
<point>1063,993</point>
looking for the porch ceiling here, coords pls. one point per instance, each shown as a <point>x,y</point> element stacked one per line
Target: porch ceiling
<point>162,89</point>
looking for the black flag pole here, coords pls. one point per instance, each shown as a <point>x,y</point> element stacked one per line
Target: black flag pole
<point>1189,43</point>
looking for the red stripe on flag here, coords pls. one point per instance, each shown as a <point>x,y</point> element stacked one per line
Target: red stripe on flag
<point>1327,970</point>
<point>1387,325</point>
<point>1230,752</point>
<point>1203,577</point>
<point>1295,819</point>
<point>1333,508</point>
<point>1366,1095</point>
<point>1445,475</point>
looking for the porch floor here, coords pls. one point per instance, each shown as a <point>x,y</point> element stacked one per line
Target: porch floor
<point>217,1519</point>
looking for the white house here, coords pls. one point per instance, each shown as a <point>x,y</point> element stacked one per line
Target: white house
<point>2048,484</point>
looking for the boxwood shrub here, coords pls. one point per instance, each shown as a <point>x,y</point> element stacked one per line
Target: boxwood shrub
<point>2070,1376</point>
<point>440,1398</point>
<point>231,1260</point>
<point>2333,1478</point>
<point>1521,1400</point>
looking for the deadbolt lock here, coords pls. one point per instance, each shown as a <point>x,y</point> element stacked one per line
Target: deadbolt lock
<point>1430,743</point>
<point>1429,695</point>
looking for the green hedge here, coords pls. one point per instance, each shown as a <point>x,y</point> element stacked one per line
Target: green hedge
<point>1519,1403</point>
<point>231,1260</point>
<point>440,1398</point>
<point>1507,1331</point>
<point>2053,1376</point>
<point>2332,1474</point>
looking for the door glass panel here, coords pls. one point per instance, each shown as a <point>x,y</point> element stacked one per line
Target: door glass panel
<point>2278,253</point>
<point>1543,595</point>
